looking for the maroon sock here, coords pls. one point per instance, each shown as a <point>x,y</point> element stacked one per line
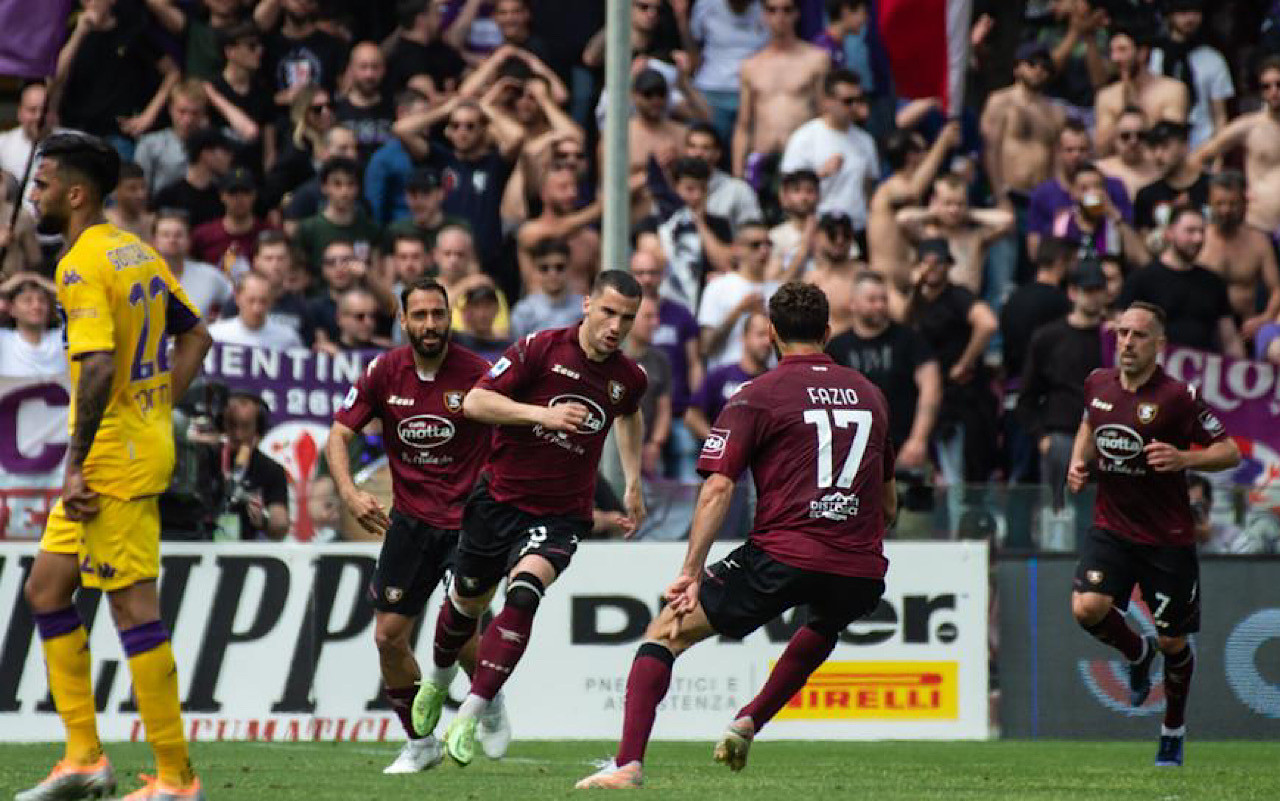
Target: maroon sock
<point>807,650</point>
<point>1113,631</point>
<point>453,629</point>
<point>1177,686</point>
<point>401,699</point>
<point>500,650</point>
<point>646,687</point>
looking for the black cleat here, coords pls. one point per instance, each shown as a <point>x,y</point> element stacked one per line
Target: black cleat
<point>1169,754</point>
<point>1140,674</point>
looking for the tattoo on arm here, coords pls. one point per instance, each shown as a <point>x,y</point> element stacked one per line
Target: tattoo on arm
<point>93,393</point>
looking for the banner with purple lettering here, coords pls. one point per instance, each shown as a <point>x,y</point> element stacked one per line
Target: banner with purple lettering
<point>33,442</point>
<point>301,389</point>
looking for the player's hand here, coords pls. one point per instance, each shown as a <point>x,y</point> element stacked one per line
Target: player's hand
<point>78,501</point>
<point>961,372</point>
<point>1164,458</point>
<point>256,511</point>
<point>368,512</point>
<point>682,595</point>
<point>566,417</point>
<point>914,453</point>
<point>633,499</point>
<point>1077,476</point>
<point>831,166</point>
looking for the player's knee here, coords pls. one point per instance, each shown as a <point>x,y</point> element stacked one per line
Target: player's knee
<point>1088,611</point>
<point>391,639</point>
<point>1171,645</point>
<point>525,592</point>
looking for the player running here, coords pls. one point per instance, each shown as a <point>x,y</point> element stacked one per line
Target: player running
<point>815,436</point>
<point>1138,428</point>
<point>554,395</point>
<point>120,305</point>
<point>435,453</point>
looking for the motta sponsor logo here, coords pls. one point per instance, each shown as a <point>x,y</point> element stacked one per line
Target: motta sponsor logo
<point>1117,442</point>
<point>878,691</point>
<point>425,431</point>
<point>596,419</point>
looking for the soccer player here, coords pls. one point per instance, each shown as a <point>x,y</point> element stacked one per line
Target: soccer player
<point>435,453</point>
<point>120,305</point>
<point>553,395</point>
<point>816,437</point>
<point>1136,437</point>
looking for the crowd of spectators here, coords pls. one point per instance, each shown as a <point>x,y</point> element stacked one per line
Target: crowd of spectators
<point>297,161</point>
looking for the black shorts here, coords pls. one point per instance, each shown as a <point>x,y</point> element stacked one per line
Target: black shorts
<point>748,588</point>
<point>415,556</point>
<point>1169,576</point>
<point>496,535</point>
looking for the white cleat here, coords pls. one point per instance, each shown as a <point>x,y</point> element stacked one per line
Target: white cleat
<point>71,781</point>
<point>734,744</point>
<point>611,777</point>
<point>494,729</point>
<point>417,756</point>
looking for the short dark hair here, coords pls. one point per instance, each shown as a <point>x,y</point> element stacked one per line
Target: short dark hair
<point>837,76</point>
<point>899,145</point>
<point>1088,166</point>
<point>89,158</point>
<point>706,129</point>
<point>834,7</point>
<point>686,167</point>
<point>1182,210</point>
<point>1054,250</point>
<point>1230,180</point>
<point>170,215</point>
<point>622,281</point>
<point>408,236</point>
<point>551,246</point>
<point>272,236</point>
<point>749,225</point>
<point>339,164</point>
<point>423,283</point>
<point>1269,63</point>
<point>130,170</point>
<point>798,177</point>
<point>407,11</point>
<point>337,240</point>
<point>237,32</point>
<point>1152,309</point>
<point>1075,126</point>
<point>1141,36</point>
<point>799,312</point>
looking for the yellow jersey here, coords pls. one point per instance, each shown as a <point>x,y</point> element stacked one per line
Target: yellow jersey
<point>116,294</point>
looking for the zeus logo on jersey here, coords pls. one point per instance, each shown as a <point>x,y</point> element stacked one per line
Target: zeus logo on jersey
<point>1101,404</point>
<point>425,431</point>
<point>396,400</point>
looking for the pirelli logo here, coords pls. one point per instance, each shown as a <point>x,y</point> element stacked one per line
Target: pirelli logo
<point>878,691</point>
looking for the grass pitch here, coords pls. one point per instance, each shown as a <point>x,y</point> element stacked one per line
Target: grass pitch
<point>789,770</point>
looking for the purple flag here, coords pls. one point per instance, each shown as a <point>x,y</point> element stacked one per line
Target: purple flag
<point>31,33</point>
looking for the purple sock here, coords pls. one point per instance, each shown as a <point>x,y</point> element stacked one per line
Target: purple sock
<point>56,624</point>
<point>140,639</point>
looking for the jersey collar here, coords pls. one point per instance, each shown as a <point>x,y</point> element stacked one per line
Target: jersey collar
<point>808,358</point>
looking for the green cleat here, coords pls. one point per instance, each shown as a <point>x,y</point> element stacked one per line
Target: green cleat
<point>460,739</point>
<point>426,707</point>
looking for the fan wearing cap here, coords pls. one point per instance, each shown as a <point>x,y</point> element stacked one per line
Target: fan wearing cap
<point>231,239</point>
<point>837,261</point>
<point>424,197</point>
<point>652,133</point>
<point>1020,125</point>
<point>1259,134</point>
<point>1186,57</point>
<point>209,155</point>
<point>1160,98</point>
<point>1182,181</point>
<point>479,314</point>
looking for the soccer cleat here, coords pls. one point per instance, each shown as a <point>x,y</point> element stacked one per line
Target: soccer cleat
<point>427,705</point>
<point>1140,674</point>
<point>154,790</point>
<point>494,729</point>
<point>1169,755</point>
<point>460,739</point>
<point>735,742</point>
<point>67,781</point>
<point>611,777</point>
<point>417,756</point>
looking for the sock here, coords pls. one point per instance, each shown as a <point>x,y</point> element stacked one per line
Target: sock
<point>1113,631</point>
<point>453,629</point>
<point>401,699</point>
<point>473,706</point>
<point>1177,686</point>
<point>1181,731</point>
<point>807,650</point>
<point>66,657</point>
<point>155,685</point>
<point>500,650</point>
<point>646,687</point>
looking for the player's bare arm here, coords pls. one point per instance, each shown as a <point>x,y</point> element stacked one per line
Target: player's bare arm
<point>630,432</point>
<point>364,507</point>
<point>494,408</point>
<point>1165,458</point>
<point>93,393</point>
<point>708,515</point>
<point>1082,455</point>
<point>189,349</point>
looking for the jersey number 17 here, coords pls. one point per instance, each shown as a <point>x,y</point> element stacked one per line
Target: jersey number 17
<point>822,419</point>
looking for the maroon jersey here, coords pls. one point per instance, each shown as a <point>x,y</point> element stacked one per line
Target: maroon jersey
<point>435,452</point>
<point>815,436</point>
<point>1135,501</point>
<point>547,472</point>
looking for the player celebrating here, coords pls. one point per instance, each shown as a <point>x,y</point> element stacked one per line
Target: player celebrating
<point>435,453</point>
<point>120,305</point>
<point>1138,427</point>
<point>815,436</point>
<point>554,395</point>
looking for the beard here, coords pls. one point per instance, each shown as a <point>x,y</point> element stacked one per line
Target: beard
<point>428,350</point>
<point>1186,253</point>
<point>51,224</point>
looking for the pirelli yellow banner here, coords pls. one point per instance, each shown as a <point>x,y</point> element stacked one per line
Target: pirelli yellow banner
<point>878,691</point>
